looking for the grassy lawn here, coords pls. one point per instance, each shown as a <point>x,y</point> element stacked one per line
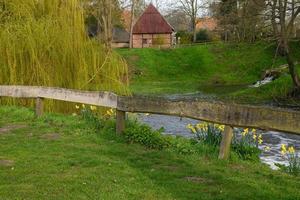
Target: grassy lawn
<point>222,69</point>
<point>62,157</point>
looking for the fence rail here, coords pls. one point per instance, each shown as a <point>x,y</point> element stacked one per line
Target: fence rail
<point>231,115</point>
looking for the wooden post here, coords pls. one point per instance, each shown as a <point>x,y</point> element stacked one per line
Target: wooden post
<point>39,107</point>
<point>120,123</point>
<point>226,143</point>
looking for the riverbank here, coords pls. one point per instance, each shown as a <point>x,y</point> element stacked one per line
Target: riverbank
<point>63,157</point>
<point>272,140</point>
<point>219,70</point>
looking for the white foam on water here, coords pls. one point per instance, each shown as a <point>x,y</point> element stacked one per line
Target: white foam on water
<point>263,82</point>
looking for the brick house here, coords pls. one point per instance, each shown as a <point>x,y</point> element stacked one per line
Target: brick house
<point>152,30</point>
<point>207,23</point>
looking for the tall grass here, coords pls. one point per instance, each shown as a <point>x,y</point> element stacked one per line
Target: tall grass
<point>44,43</point>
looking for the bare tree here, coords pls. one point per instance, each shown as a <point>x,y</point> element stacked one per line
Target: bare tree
<point>157,3</point>
<point>132,18</point>
<point>106,13</point>
<point>191,9</point>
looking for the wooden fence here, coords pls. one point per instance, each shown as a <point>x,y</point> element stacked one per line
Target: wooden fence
<point>229,114</point>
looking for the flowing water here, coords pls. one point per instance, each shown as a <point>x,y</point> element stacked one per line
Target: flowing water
<point>265,81</point>
<point>177,126</point>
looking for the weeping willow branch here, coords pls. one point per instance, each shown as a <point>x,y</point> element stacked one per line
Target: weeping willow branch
<point>45,43</point>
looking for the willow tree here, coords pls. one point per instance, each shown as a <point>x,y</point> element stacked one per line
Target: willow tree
<point>44,43</point>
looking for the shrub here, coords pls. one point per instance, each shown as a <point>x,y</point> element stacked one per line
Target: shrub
<point>203,36</point>
<point>144,135</point>
<point>185,37</point>
<point>158,41</point>
<point>154,139</point>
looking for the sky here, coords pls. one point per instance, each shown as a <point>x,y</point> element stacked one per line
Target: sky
<point>165,5</point>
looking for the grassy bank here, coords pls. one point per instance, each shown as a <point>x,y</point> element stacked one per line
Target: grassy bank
<point>222,69</point>
<point>63,157</point>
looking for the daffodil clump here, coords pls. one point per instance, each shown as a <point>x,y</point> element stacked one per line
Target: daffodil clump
<point>251,137</point>
<point>246,143</point>
<point>207,133</point>
<point>290,154</point>
<point>91,114</point>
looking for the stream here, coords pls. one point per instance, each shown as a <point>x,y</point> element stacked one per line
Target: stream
<point>177,126</point>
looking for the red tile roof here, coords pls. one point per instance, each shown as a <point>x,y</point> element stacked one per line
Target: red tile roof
<point>151,21</point>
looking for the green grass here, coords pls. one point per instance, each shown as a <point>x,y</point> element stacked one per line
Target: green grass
<point>222,69</point>
<point>83,164</point>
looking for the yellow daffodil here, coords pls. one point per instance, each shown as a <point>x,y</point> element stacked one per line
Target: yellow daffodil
<point>260,137</point>
<point>110,112</point>
<point>93,108</point>
<point>283,149</point>
<point>83,106</point>
<point>191,128</point>
<point>147,114</point>
<point>77,107</point>
<point>245,132</point>
<point>291,150</point>
<point>221,127</point>
<point>254,136</point>
<point>260,141</point>
<point>267,148</point>
<point>199,126</point>
<point>253,130</point>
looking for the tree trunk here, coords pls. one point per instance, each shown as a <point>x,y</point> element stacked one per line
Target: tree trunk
<point>131,24</point>
<point>194,32</point>
<point>292,67</point>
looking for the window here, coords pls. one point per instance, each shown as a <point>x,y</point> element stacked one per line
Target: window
<point>145,41</point>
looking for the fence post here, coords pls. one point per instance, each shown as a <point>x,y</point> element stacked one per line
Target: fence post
<point>120,122</point>
<point>39,110</point>
<point>226,143</point>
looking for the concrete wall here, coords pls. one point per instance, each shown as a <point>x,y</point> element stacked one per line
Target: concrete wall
<point>152,40</point>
